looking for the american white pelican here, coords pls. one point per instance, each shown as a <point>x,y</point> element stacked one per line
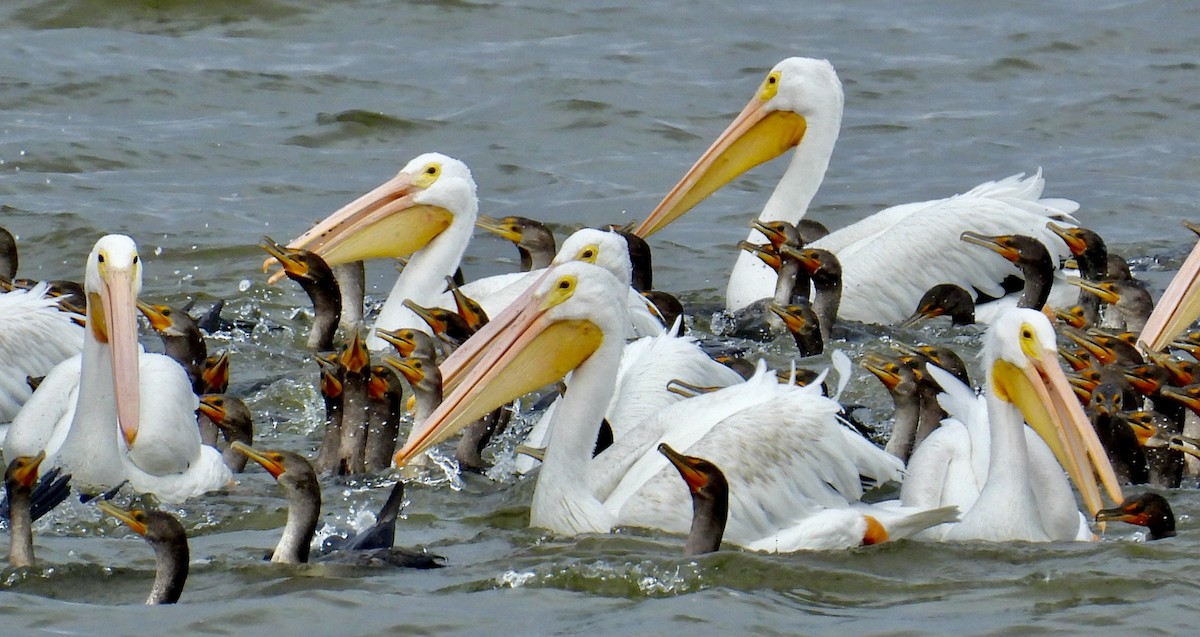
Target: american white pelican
<point>888,259</point>
<point>782,449</point>
<point>1008,479</point>
<point>112,386</point>
<point>425,213</point>
<point>169,539</point>
<point>647,366</point>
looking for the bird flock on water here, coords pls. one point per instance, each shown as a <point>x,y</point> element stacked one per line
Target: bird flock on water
<point>1088,385</point>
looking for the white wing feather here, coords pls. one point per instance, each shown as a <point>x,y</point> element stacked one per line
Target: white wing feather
<point>34,337</point>
<point>893,257</point>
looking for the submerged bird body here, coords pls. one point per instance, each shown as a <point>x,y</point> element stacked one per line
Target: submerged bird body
<point>302,490</point>
<point>166,535</point>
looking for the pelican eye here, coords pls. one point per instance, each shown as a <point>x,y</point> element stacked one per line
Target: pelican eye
<point>139,516</point>
<point>428,174</point>
<point>587,254</point>
<point>100,258</point>
<point>135,259</point>
<point>564,285</point>
<point>770,86</point>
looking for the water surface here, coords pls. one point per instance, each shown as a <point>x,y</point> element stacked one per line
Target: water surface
<point>197,127</point>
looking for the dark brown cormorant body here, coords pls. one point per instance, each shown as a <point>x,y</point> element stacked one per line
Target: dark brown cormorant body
<point>233,419</point>
<point>298,481</point>
<point>167,537</point>
<point>710,500</point>
<point>319,283</point>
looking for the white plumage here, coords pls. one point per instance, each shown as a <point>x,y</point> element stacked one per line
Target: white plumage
<point>888,259</point>
<point>985,460</point>
<point>782,448</point>
<point>35,335</point>
<point>106,423</point>
<point>427,214</point>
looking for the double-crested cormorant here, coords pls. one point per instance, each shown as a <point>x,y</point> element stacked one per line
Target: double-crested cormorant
<point>356,407</point>
<point>469,309</point>
<point>318,281</point>
<point>1091,257</point>
<point>900,380</point>
<point>944,299</point>
<point>1130,298</point>
<point>166,535</point>
<point>710,500</point>
<point>385,395</point>
<point>330,381</point>
<point>802,322</point>
<point>1030,256</point>
<point>181,337</point>
<point>233,420</point>
<point>1146,509</point>
<point>533,239</point>
<point>19,477</point>
<point>826,272</point>
<point>298,481</point>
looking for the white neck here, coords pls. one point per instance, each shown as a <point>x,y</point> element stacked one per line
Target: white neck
<point>1007,508</point>
<point>806,171</point>
<point>424,278</point>
<point>752,279</point>
<point>563,501</point>
<point>93,450</point>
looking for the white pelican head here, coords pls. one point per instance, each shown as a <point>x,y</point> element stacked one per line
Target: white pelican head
<point>574,310</point>
<point>112,281</point>
<point>1023,370</point>
<point>797,92</point>
<point>604,248</point>
<point>398,217</point>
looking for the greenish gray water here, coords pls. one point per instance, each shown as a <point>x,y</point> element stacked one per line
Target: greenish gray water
<point>197,127</point>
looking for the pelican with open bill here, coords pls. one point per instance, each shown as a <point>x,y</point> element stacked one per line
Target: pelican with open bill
<point>426,213</point>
